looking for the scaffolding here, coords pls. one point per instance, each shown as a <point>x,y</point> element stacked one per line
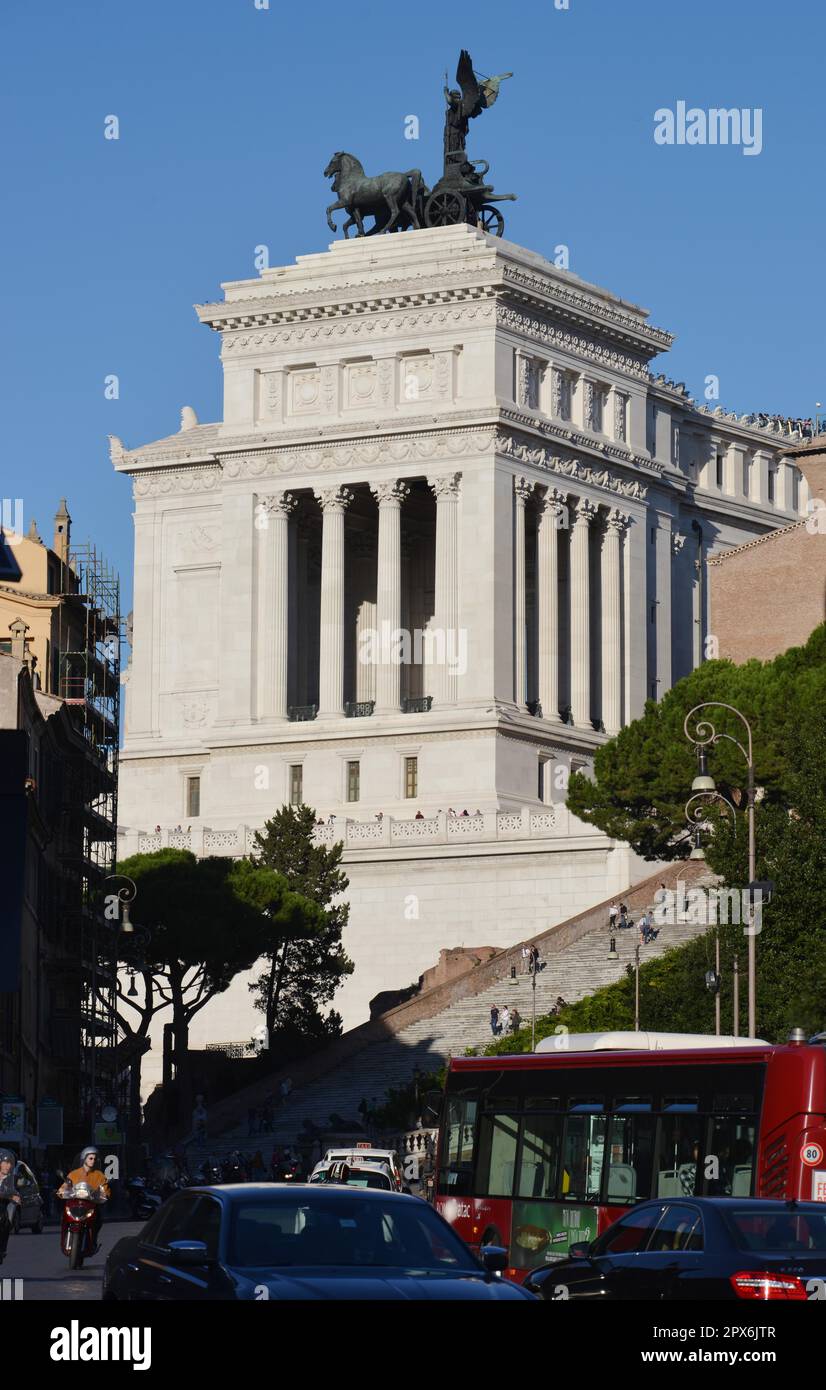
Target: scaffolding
<point>89,650</point>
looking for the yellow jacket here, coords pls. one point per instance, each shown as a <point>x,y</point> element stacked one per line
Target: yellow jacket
<point>94,1179</point>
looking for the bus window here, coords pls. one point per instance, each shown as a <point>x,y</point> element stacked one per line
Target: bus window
<point>678,1170</point>
<point>457,1157</point>
<point>582,1157</point>
<point>541,1142</point>
<point>630,1157</point>
<point>497,1155</point>
<point>729,1158</point>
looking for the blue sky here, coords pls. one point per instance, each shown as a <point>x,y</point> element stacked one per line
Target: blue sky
<point>228,115</point>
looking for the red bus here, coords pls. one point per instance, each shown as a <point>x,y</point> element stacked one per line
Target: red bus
<point>541,1150</point>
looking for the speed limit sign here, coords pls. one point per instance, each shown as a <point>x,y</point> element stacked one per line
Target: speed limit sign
<point>812,1154</point>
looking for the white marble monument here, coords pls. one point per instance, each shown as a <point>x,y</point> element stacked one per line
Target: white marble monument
<point>450,533</point>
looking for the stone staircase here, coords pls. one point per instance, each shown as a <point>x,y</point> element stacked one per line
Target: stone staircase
<point>576,964</point>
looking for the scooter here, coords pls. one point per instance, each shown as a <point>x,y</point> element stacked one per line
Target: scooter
<point>77,1226</point>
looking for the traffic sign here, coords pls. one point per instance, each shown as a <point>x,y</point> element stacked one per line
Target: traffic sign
<point>812,1154</point>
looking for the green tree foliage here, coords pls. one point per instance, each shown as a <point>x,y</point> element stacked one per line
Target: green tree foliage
<point>208,919</point>
<point>642,781</point>
<point>301,975</point>
<point>642,777</point>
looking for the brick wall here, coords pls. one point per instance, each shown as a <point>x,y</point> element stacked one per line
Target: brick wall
<point>768,595</point>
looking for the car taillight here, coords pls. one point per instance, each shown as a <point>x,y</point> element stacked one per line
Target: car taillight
<point>765,1284</point>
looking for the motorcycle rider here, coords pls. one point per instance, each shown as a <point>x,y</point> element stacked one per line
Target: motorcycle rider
<point>91,1174</point>
<point>8,1198</point>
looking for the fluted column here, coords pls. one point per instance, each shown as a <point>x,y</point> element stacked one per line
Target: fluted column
<point>273,593</point>
<point>612,606</point>
<point>334,502</point>
<point>552,506</point>
<point>389,496</point>
<point>584,513</point>
<point>446,492</point>
<point>522,492</point>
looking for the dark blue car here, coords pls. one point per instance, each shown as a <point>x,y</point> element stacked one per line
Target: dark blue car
<point>280,1241</point>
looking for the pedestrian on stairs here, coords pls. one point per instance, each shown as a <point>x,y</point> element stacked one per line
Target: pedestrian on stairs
<point>494,1021</point>
<point>504,1019</point>
<point>613,913</point>
<point>516,1021</point>
<point>623,917</point>
<point>526,957</point>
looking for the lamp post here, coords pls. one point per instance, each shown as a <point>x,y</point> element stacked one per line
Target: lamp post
<point>637,988</point>
<point>703,738</point>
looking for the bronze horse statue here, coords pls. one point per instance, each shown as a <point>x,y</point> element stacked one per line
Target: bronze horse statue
<point>393,200</point>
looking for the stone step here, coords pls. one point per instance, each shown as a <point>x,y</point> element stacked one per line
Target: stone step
<point>572,972</point>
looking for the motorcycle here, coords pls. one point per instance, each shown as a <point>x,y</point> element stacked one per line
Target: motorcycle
<point>77,1226</point>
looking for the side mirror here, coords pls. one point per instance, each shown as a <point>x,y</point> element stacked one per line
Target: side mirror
<point>494,1258</point>
<point>580,1250</point>
<point>188,1252</point>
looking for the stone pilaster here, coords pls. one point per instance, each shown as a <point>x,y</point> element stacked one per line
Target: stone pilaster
<point>584,513</point>
<point>273,604</point>
<point>446,491</point>
<point>390,496</point>
<point>334,501</point>
<point>552,514</point>
<point>522,492</point>
<point>612,605</point>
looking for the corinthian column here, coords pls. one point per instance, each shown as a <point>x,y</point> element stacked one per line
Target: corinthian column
<point>584,513</point>
<point>272,629</point>
<point>552,508</point>
<point>612,606</point>
<point>522,491</point>
<point>389,496</point>
<point>446,492</point>
<point>334,502</point>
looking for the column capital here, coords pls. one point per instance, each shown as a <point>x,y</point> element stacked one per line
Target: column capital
<point>552,500</point>
<point>523,489</point>
<point>391,493</point>
<point>280,503</point>
<point>584,512</point>
<point>445,487</point>
<point>617,521</point>
<point>333,499</point>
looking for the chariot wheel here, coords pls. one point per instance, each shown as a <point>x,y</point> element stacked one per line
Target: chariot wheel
<point>491,220</point>
<point>444,209</point>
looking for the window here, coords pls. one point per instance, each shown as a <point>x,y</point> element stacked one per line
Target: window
<point>193,796</point>
<point>539,1156</point>
<point>731,1146</point>
<point>460,1130</point>
<point>771,484</point>
<point>583,1151</point>
<point>630,1156</point>
<point>296,784</point>
<point>680,1228</point>
<point>353,781</point>
<point>497,1155</point>
<point>747,476</point>
<point>205,1224</point>
<point>678,1168</point>
<point>544,780</point>
<point>629,1235</point>
<point>719,470</point>
<point>411,777</point>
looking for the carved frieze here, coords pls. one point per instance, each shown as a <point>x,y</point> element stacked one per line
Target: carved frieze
<point>579,345</point>
<point>541,456</point>
<point>171,480</point>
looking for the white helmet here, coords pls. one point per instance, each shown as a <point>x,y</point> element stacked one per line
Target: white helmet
<point>90,1149</point>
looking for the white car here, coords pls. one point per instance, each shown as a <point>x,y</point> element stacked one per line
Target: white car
<point>357,1154</point>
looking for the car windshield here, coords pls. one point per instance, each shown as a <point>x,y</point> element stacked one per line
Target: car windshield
<point>355,1232</point>
<point>364,1179</point>
<point>782,1230</point>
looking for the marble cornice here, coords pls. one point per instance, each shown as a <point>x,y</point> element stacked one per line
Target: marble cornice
<point>537,325</point>
<point>509,434</point>
<point>581,307</point>
<point>568,434</point>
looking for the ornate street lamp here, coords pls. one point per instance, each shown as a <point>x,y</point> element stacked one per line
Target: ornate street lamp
<point>704,737</point>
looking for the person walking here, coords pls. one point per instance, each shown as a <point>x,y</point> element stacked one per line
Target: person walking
<point>494,1021</point>
<point>504,1019</point>
<point>516,1021</point>
<point>534,966</point>
<point>613,913</point>
<point>526,958</point>
<point>623,917</point>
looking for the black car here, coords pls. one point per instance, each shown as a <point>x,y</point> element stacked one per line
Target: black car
<point>288,1241</point>
<point>697,1248</point>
